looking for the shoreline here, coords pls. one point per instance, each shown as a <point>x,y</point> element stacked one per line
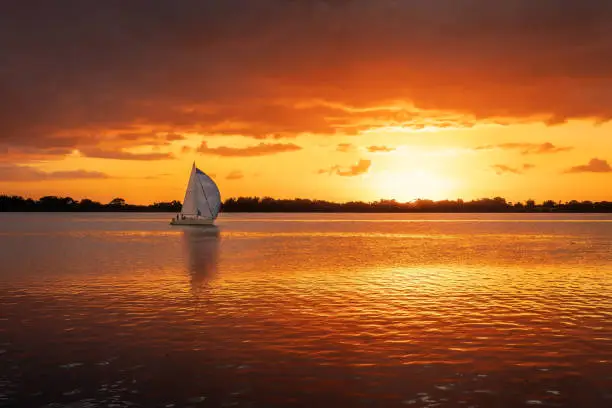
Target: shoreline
<point>313,212</point>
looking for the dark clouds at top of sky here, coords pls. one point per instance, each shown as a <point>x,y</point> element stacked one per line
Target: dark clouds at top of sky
<point>71,71</point>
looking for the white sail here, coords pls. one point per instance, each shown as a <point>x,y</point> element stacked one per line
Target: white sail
<point>202,198</point>
<point>190,207</point>
<point>212,195</point>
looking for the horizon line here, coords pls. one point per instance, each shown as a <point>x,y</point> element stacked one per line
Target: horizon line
<point>380,200</point>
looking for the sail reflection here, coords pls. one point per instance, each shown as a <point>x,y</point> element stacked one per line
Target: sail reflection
<point>202,247</point>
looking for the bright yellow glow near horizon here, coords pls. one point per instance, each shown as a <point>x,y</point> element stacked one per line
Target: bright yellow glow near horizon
<point>437,165</point>
<point>404,186</point>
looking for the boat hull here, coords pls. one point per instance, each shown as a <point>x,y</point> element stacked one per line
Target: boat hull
<point>192,221</point>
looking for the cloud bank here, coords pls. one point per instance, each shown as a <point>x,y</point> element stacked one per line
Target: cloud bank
<point>278,69</point>
<point>121,155</point>
<point>261,149</point>
<point>11,172</point>
<point>528,148</point>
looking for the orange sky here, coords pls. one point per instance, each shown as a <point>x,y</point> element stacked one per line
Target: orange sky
<point>347,100</point>
<point>513,161</point>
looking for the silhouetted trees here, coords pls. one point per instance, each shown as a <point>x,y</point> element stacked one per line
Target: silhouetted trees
<point>497,204</point>
<point>117,202</point>
<point>67,204</point>
<point>268,204</point>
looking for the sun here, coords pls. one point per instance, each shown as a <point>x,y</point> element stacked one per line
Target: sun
<point>405,186</point>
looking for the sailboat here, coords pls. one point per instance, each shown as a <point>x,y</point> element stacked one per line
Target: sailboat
<point>202,200</point>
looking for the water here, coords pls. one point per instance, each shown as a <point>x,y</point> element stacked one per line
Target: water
<point>123,310</point>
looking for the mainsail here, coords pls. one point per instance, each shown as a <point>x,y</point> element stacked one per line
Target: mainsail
<point>202,198</point>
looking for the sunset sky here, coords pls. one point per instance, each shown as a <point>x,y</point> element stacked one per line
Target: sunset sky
<point>338,100</point>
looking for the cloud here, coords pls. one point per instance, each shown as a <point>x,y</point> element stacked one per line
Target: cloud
<point>595,165</point>
<point>380,149</point>
<point>528,148</point>
<point>344,147</point>
<point>121,155</point>
<point>154,176</point>
<point>261,149</point>
<point>105,142</point>
<point>504,169</point>
<point>25,153</point>
<point>171,137</point>
<point>327,171</point>
<point>360,168</point>
<point>235,175</point>
<point>12,172</point>
<point>276,68</point>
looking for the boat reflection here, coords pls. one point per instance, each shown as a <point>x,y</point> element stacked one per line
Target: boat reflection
<point>202,247</point>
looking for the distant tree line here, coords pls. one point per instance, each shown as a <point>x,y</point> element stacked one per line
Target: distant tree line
<point>67,204</point>
<point>497,204</point>
<point>267,204</point>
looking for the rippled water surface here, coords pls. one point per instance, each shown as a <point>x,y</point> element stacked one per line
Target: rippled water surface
<point>123,310</point>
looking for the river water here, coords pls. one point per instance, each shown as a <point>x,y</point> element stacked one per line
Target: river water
<point>306,310</point>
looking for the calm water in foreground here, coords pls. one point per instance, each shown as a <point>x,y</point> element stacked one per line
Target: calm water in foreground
<point>123,310</point>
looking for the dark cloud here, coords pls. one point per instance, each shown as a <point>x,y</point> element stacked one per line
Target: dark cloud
<point>595,165</point>
<point>277,68</point>
<point>235,175</point>
<point>380,149</point>
<point>121,155</point>
<point>361,167</point>
<point>504,169</point>
<point>12,172</point>
<point>261,149</point>
<point>109,143</point>
<point>528,148</point>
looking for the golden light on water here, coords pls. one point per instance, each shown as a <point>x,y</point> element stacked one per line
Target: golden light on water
<point>452,302</point>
